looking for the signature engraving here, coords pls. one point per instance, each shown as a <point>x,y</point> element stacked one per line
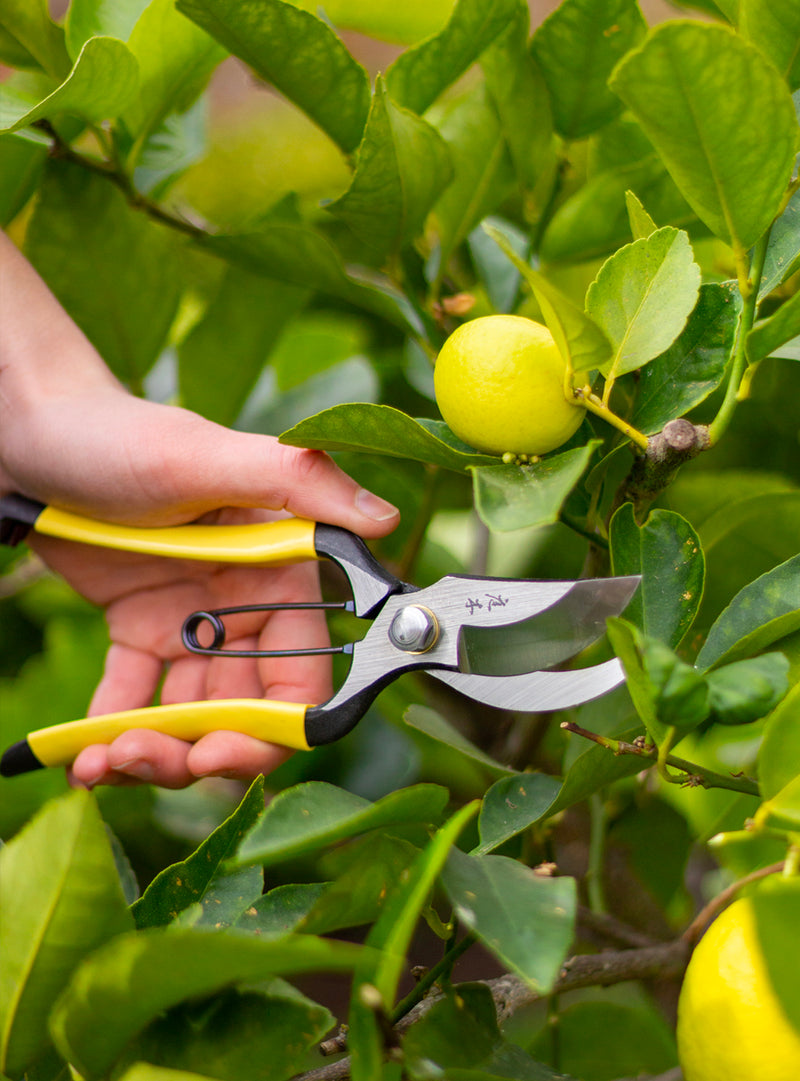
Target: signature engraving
<point>488,601</point>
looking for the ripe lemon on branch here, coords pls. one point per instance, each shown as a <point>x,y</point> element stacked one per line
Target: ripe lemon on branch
<point>501,385</point>
<point>731,1024</point>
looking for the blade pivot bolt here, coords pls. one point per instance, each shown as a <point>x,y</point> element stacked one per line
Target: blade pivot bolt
<point>415,629</point>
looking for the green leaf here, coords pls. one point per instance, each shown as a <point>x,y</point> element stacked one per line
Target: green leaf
<point>513,804</point>
<point>100,85</point>
<point>459,1030</point>
<point>627,642</point>
<point>694,365</point>
<point>145,1071</point>
<point>666,551</point>
<point>28,26</point>
<point>380,429</point>
<point>590,1045</point>
<point>200,877</point>
<point>124,986</point>
<point>593,769</point>
<point>779,755</point>
<point>359,895</point>
<point>642,225</point>
<point>311,815</point>
<point>281,910</point>
<point>518,91</point>
<point>237,334</point>
<point>402,24</point>
<point>22,167</point>
<point>577,47</point>
<point>577,336</point>
<point>763,612</point>
<point>774,26</point>
<point>176,60</point>
<point>642,297</point>
<point>389,940</point>
<point>769,334</point>
<point>513,496</point>
<point>721,118</point>
<point>435,726</point>
<point>60,898</point>
<point>296,52</point>
<point>123,288</point>
<point>748,690</point>
<point>420,74</point>
<point>526,920</point>
<point>272,1025</point>
<point>482,170</point>
<point>402,166</point>
<point>774,905</point>
<point>783,251</point>
<point>291,252</point>
<point>100,18</point>
<point>593,221</point>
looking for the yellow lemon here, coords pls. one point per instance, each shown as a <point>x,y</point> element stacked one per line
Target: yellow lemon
<point>499,383</point>
<point>731,1025</point>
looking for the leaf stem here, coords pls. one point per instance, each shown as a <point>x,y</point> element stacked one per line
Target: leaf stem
<point>598,818</point>
<point>600,409</point>
<point>444,967</point>
<point>741,373</point>
<point>695,775</point>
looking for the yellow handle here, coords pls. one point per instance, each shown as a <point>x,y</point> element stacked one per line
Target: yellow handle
<point>285,541</point>
<point>274,722</point>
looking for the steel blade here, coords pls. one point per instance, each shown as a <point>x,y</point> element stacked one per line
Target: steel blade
<point>551,636</point>
<point>537,692</point>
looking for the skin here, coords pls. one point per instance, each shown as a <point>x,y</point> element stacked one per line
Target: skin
<point>71,435</point>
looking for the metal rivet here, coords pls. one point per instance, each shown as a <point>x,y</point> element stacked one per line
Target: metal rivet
<point>414,629</point>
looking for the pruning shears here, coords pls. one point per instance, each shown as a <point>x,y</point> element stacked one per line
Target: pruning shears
<point>498,641</point>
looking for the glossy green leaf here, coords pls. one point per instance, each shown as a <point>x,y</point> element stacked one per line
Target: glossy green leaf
<point>309,816</point>
<point>123,292</point>
<point>282,909</point>
<point>514,496</point>
<point>459,1030</point>
<point>721,118</point>
<point>236,335</point>
<point>403,24</point>
<point>642,225</point>
<point>200,877</point>
<point>518,91</point>
<point>594,221</point>
<point>774,906</point>
<point>774,26</point>
<point>513,804</point>
<point>224,1036</point>
<point>769,334</point>
<point>99,18</point>
<point>576,334</point>
<point>100,85</point>
<point>577,47</point>
<point>60,898</point>
<point>29,26</point>
<point>176,59</point>
<point>626,641</point>
<point>435,726</point>
<point>178,143</point>
<point>666,551</point>
<point>590,1046</point>
<point>747,690</point>
<point>296,52</point>
<point>782,811</point>
<point>359,895</point>
<point>642,297</point>
<point>779,756</point>
<point>420,74</point>
<point>783,251</point>
<point>402,166</point>
<point>694,365</point>
<point>763,612</point>
<point>290,251</point>
<point>380,429</point>
<point>593,769</point>
<point>526,920</point>
<point>123,987</point>
<point>482,169</point>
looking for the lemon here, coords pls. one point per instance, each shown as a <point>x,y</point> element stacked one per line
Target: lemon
<point>731,1025</point>
<point>499,383</point>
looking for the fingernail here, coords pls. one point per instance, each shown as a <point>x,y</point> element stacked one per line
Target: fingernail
<point>137,767</point>
<point>372,506</point>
